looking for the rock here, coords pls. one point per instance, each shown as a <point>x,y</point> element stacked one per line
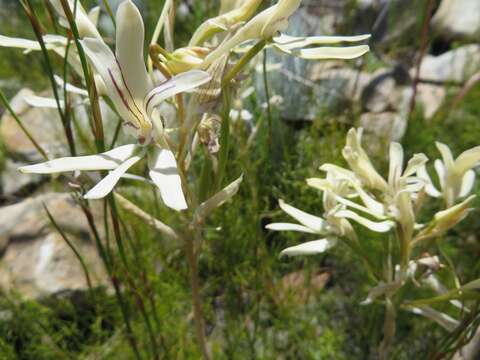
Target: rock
<point>457,65</point>
<point>380,94</point>
<point>36,259</point>
<point>347,83</point>
<point>12,181</point>
<point>458,19</point>
<point>43,124</point>
<point>431,98</point>
<point>390,126</point>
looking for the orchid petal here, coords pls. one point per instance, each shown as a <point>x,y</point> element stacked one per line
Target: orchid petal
<point>104,62</point>
<point>177,84</point>
<point>292,42</point>
<point>69,87</point>
<point>219,198</point>
<point>164,173</point>
<point>105,186</point>
<point>468,181</point>
<point>105,161</point>
<point>315,223</point>
<point>442,319</point>
<point>430,189</point>
<point>325,52</point>
<point>7,41</point>
<point>94,14</point>
<point>446,154</point>
<point>310,248</point>
<point>468,159</point>
<point>43,102</point>
<point>86,27</point>
<point>396,163</point>
<point>414,164</point>
<point>130,37</point>
<point>439,166</point>
<point>381,227</point>
<point>289,227</point>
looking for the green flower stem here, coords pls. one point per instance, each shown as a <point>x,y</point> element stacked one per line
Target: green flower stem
<point>89,81</point>
<point>37,29</point>
<point>267,95</point>
<point>75,251</point>
<point>192,258</point>
<point>244,60</point>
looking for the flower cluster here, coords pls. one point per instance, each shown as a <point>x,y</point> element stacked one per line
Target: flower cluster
<point>389,204</point>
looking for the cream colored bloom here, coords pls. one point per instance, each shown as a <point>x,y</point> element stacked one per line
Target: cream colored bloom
<point>268,25</point>
<point>360,163</point>
<point>136,99</point>
<point>456,176</point>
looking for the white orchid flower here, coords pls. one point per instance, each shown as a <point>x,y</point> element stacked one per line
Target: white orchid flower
<point>87,27</point>
<point>456,176</point>
<point>86,22</point>
<point>135,98</point>
<point>360,163</point>
<point>272,21</point>
<point>309,224</point>
<point>235,14</point>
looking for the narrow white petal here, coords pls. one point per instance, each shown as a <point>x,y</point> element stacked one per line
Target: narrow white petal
<point>138,178</point>
<point>414,164</point>
<point>293,42</point>
<point>43,102</point>
<point>315,223</point>
<point>177,84</point>
<point>440,318</point>
<point>105,63</point>
<point>396,163</point>
<point>468,159</point>
<point>106,185</point>
<point>354,205</point>
<point>130,37</point>
<point>310,248</point>
<point>325,52</point>
<point>289,227</point>
<point>164,173</point>
<point>94,14</point>
<point>467,183</point>
<point>439,166</point>
<point>430,189</point>
<point>69,87</point>
<point>8,41</point>
<point>382,226</point>
<point>446,154</point>
<point>105,161</point>
<point>219,198</point>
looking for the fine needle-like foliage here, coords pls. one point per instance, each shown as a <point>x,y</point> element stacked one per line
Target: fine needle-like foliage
<point>175,106</point>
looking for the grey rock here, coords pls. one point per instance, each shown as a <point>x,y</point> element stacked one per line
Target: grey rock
<point>458,19</point>
<point>36,259</point>
<point>43,124</point>
<point>457,65</point>
<point>12,181</point>
<point>390,126</point>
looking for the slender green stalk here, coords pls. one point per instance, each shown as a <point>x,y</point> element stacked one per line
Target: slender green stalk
<point>244,60</point>
<point>267,96</point>
<point>113,278</point>
<point>37,29</point>
<point>75,251</point>
<point>109,12</point>
<point>89,81</point>
<point>192,258</point>
<point>37,146</point>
